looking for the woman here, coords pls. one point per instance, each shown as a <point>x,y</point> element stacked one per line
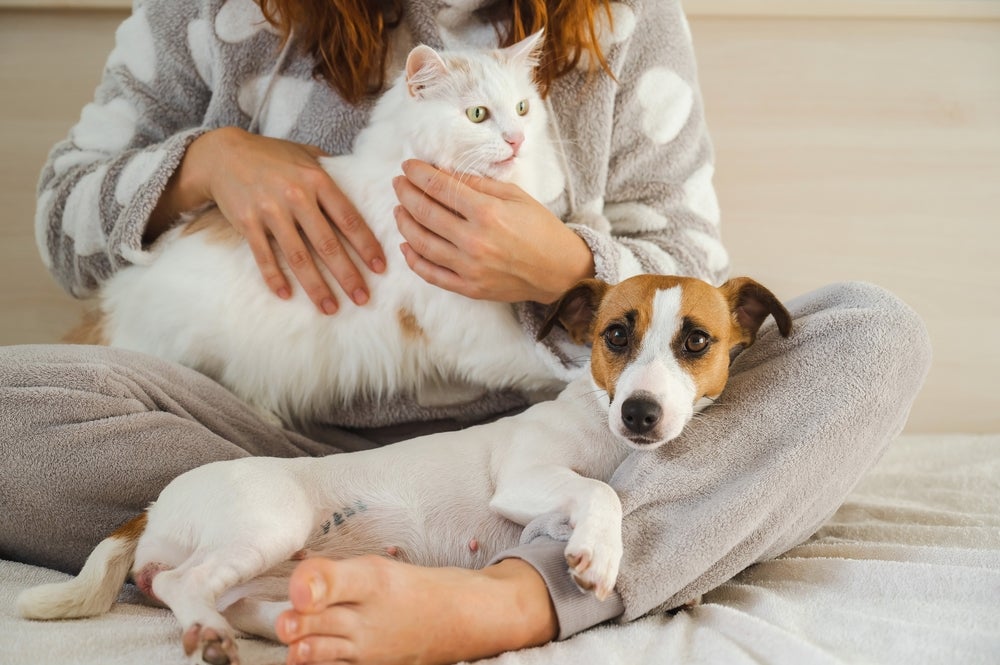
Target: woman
<point>221,101</point>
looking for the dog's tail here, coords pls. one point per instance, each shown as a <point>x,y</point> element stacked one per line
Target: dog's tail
<point>95,589</point>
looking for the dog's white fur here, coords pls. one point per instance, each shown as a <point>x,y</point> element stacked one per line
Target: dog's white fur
<point>201,302</point>
<point>223,535</point>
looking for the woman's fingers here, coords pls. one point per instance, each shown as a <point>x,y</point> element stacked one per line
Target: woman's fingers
<point>260,246</point>
<point>464,194</point>
<point>439,185</point>
<point>352,225</point>
<point>276,189</point>
<point>425,241</point>
<point>428,211</point>
<point>332,252</point>
<point>300,262</point>
<point>436,275</point>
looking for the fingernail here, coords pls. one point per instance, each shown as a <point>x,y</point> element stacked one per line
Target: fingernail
<point>378,265</point>
<point>284,293</point>
<point>303,650</point>
<point>291,627</point>
<point>317,588</point>
<point>360,297</point>
<point>329,306</point>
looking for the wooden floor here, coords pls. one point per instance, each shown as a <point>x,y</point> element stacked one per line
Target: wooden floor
<point>849,147</point>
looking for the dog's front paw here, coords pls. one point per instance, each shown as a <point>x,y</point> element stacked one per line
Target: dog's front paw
<point>208,646</point>
<point>593,562</point>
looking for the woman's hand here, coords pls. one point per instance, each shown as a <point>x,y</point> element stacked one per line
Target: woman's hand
<point>485,239</point>
<point>274,189</point>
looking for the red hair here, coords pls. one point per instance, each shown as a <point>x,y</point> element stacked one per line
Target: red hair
<point>349,38</point>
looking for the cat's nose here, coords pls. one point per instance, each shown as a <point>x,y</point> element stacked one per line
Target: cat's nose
<point>514,140</point>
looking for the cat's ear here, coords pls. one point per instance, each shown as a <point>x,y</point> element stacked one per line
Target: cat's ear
<point>527,51</point>
<point>423,67</point>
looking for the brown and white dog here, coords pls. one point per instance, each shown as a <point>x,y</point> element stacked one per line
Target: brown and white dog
<point>226,535</point>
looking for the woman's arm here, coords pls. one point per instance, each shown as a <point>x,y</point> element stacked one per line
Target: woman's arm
<point>659,211</point>
<point>141,155</point>
<point>99,184</point>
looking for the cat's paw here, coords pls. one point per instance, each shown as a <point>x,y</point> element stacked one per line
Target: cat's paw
<point>594,560</point>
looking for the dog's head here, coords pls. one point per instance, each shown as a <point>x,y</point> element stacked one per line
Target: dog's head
<point>662,343</point>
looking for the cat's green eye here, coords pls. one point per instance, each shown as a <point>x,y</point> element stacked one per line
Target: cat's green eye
<point>522,107</point>
<point>477,113</point>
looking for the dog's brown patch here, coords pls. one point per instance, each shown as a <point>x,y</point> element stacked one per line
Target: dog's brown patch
<point>630,305</point>
<point>90,330</point>
<point>705,308</point>
<point>132,529</point>
<point>409,325</point>
<point>216,226</point>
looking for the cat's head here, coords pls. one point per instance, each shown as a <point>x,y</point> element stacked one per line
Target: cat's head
<point>476,112</point>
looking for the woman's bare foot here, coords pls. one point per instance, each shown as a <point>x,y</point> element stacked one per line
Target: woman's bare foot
<point>372,610</point>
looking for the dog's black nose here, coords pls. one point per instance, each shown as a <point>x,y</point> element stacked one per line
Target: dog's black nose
<point>640,414</point>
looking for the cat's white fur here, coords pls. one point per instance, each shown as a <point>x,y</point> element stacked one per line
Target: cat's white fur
<point>203,303</point>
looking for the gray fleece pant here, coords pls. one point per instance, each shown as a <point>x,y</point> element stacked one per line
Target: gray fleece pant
<point>90,435</point>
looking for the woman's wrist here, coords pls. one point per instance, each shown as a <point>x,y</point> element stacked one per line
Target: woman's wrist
<point>189,186</point>
<point>576,262</point>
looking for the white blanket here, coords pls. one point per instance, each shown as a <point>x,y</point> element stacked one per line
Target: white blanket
<point>907,571</point>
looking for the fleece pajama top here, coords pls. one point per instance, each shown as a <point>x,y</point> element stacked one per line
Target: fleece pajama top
<point>92,434</point>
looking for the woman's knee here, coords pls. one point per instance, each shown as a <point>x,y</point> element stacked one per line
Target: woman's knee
<point>41,383</point>
<point>63,365</point>
<point>869,324</point>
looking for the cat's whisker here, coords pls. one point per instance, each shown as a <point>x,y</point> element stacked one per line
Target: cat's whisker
<point>470,163</point>
<point>466,167</point>
<point>465,164</point>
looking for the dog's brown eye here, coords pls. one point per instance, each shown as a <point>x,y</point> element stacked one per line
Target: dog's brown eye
<point>696,342</point>
<point>616,337</point>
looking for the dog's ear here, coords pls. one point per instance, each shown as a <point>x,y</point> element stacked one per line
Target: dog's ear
<point>750,304</point>
<point>576,310</point>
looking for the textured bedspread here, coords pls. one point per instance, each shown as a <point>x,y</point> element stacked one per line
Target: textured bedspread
<point>907,571</point>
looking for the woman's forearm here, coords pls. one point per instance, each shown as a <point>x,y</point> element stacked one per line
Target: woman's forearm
<point>188,187</point>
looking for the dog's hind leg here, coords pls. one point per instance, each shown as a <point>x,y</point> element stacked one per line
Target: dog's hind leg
<point>256,617</point>
<point>192,591</point>
<point>258,603</point>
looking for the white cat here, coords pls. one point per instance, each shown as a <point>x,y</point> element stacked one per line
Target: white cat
<point>202,302</point>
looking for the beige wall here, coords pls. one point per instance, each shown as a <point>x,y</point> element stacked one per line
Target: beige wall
<point>852,144</point>
<point>869,149</point>
<point>49,66</point>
